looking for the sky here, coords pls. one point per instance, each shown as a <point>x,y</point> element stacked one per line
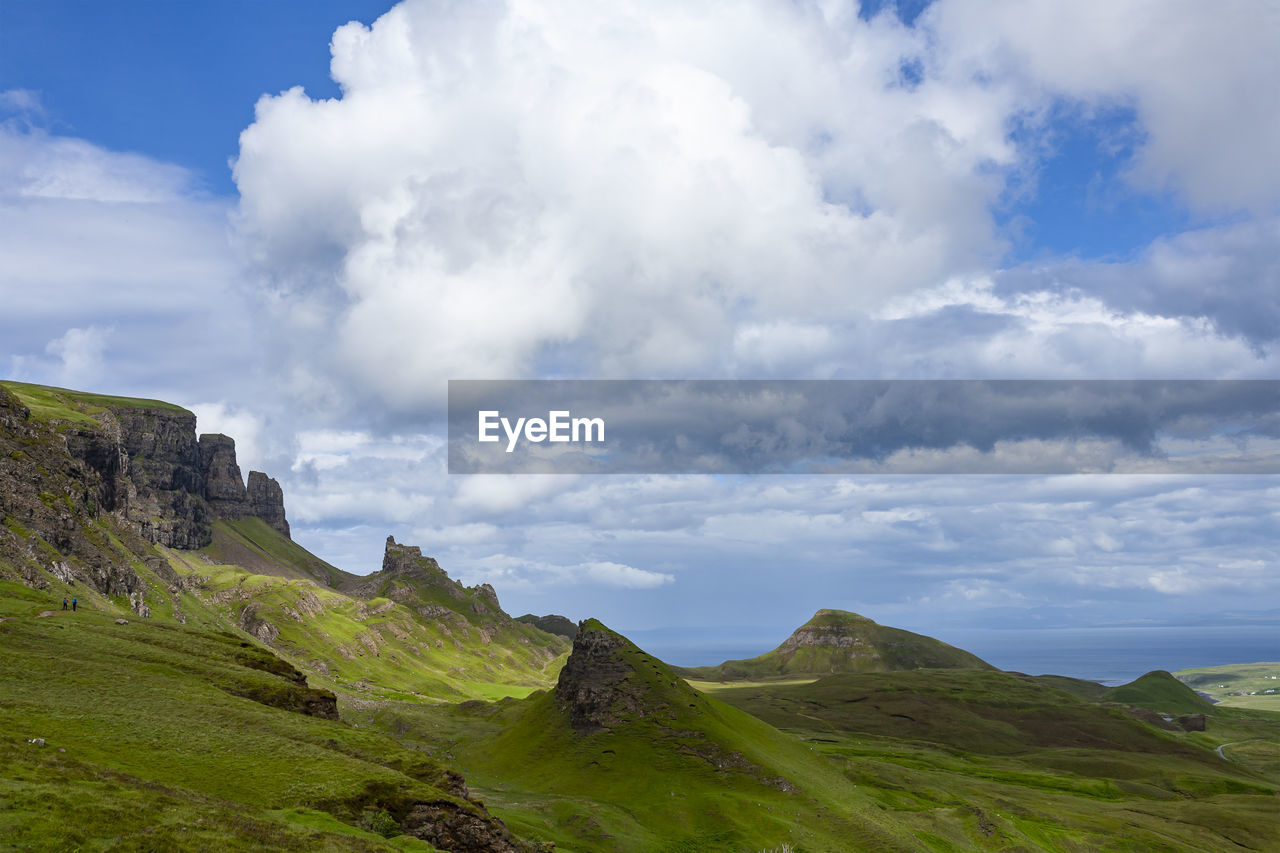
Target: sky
<point>301,219</point>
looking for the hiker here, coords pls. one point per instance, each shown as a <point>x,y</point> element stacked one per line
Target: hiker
<point>64,602</point>
<point>74,602</point>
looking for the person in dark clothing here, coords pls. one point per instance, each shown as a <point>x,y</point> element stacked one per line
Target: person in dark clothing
<point>74,602</point>
<point>64,602</point>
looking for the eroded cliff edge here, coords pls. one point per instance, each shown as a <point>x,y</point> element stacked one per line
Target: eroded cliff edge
<point>71,461</point>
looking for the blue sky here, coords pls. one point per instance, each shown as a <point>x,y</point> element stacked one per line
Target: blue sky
<point>175,81</point>
<point>656,190</point>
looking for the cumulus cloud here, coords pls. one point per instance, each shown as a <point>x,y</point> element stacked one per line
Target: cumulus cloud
<point>80,352</point>
<point>646,189</point>
<point>1198,77</point>
<point>613,186</point>
<point>115,256</point>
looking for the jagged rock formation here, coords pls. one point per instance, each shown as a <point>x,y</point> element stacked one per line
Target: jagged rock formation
<point>561,626</point>
<point>81,458</point>
<point>838,641</point>
<point>46,495</point>
<point>406,574</point>
<point>223,485</point>
<point>608,680</point>
<point>266,501</point>
<point>448,826</point>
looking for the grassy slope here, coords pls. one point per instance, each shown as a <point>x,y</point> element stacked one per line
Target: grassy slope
<point>1245,685</point>
<point>867,647</point>
<point>376,647</point>
<point>255,546</point>
<point>1160,692</point>
<point>49,404</point>
<point>1036,767</point>
<point>697,775</point>
<point>161,751</point>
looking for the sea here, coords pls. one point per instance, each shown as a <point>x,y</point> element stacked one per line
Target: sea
<point>1109,655</point>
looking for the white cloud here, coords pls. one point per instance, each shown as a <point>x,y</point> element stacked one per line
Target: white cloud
<point>664,189</point>
<point>80,352</point>
<point>36,165</point>
<point>116,248</point>
<point>619,185</point>
<point>627,577</point>
<point>1199,77</point>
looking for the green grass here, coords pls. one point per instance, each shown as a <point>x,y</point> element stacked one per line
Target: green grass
<point>60,404</point>
<point>1245,685</point>
<point>376,648</point>
<point>164,751</point>
<point>1160,692</point>
<point>257,547</point>
<point>684,772</point>
<point>1034,765</point>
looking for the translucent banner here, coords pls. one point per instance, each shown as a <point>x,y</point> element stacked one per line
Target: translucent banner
<point>864,426</point>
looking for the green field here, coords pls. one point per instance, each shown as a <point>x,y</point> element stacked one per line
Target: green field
<point>60,404</point>
<point>160,737</point>
<point>1244,685</point>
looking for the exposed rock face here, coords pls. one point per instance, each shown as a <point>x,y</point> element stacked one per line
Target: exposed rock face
<point>266,501</point>
<point>145,464</point>
<point>599,686</point>
<point>223,486</point>
<point>448,826</point>
<point>46,496</point>
<point>164,469</point>
<point>1192,722</point>
<point>561,626</point>
<point>400,559</point>
<point>838,636</point>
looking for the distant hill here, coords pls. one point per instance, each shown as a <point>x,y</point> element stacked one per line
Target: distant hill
<point>560,625</point>
<point>839,641</point>
<point>1159,691</point>
<point>987,712</point>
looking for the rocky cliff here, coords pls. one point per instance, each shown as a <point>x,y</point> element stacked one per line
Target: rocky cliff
<point>406,574</point>
<point>552,623</point>
<point>607,681</point>
<point>266,501</point>
<point>71,460</point>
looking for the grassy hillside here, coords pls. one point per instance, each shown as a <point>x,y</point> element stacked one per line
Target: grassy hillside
<point>376,646</point>
<point>839,641</point>
<point>60,404</point>
<point>164,737</point>
<point>1035,767</point>
<point>626,756</point>
<point>256,547</point>
<point>1244,685</point>
<point>993,713</point>
<point>1160,692</point>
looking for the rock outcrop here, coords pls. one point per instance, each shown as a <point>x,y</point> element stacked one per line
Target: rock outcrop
<point>561,626</point>
<point>405,572</point>
<point>137,462</point>
<point>608,681</point>
<point>223,486</point>
<point>266,501</point>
